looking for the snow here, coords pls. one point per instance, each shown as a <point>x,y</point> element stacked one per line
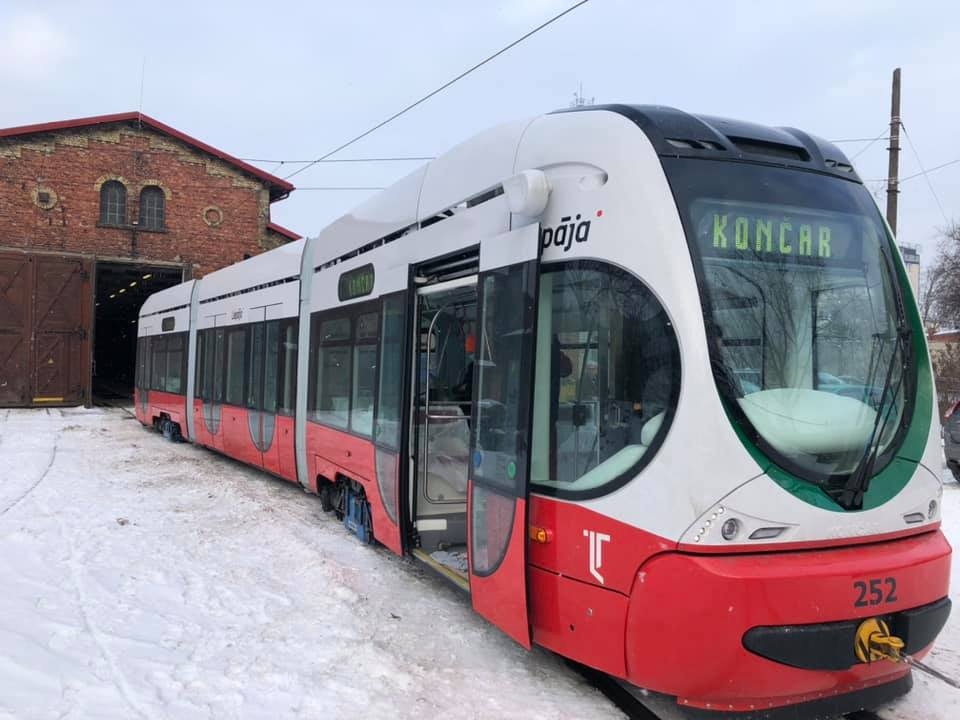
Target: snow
<point>144,579</point>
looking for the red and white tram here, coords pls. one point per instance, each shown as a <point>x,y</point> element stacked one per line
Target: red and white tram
<point>650,386</point>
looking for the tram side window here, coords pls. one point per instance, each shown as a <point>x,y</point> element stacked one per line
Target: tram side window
<point>199,377</point>
<point>236,354</point>
<point>332,398</point>
<point>175,363</point>
<point>607,379</point>
<point>143,349</point>
<point>391,373</point>
<point>158,363</point>
<point>254,366</point>
<point>288,367</point>
<point>216,376</point>
<point>364,373</point>
<point>271,368</point>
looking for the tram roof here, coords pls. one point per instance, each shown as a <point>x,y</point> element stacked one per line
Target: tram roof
<point>677,133</point>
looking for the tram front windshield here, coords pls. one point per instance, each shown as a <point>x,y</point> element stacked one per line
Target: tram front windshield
<point>803,311</point>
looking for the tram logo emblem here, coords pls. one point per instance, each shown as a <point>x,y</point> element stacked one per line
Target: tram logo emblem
<point>596,552</point>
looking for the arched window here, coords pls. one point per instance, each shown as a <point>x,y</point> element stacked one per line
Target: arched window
<point>607,379</point>
<point>113,203</point>
<point>152,208</point>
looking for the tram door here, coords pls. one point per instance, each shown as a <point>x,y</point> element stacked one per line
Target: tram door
<point>498,480</point>
<point>210,368</point>
<point>446,330</point>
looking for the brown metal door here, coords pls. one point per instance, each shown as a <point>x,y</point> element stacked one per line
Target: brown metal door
<point>61,330</point>
<point>15,284</point>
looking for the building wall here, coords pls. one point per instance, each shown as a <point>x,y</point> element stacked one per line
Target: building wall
<point>215,214</point>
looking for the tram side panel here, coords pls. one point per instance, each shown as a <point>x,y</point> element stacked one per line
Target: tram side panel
<point>160,398</point>
<point>341,387</point>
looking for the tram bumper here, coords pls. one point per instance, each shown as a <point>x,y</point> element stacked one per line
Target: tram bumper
<point>750,632</point>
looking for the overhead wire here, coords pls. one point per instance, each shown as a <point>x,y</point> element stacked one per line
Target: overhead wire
<point>869,145</point>
<point>933,169</point>
<point>440,89</point>
<point>852,140</point>
<point>926,175</point>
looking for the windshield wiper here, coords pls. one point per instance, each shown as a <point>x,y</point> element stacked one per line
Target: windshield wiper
<point>858,482</point>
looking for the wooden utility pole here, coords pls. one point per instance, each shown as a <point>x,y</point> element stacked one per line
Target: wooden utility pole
<point>893,170</point>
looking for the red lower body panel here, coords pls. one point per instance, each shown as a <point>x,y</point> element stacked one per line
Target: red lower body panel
<point>578,620</point>
<point>169,404</point>
<point>688,615</point>
<point>332,454</point>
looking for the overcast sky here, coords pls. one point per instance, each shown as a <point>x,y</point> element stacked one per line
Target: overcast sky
<point>292,80</point>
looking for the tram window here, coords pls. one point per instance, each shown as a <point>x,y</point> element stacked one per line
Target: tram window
<point>141,360</point>
<point>216,365</point>
<point>367,326</point>
<point>254,366</point>
<point>333,386</point>
<point>364,374</point>
<point>198,384</point>
<point>158,363</point>
<point>331,381</point>
<point>271,366</point>
<point>236,352</point>
<point>364,378</point>
<point>288,367</point>
<point>175,368</point>
<point>335,330</point>
<point>606,381</point>
<point>391,372</point>
<point>841,360</point>
<point>502,359</point>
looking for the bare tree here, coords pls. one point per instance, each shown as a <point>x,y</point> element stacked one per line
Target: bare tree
<point>946,366</point>
<point>929,283</point>
<point>940,295</point>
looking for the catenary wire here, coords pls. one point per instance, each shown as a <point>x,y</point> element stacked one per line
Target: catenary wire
<point>440,89</point>
<point>926,175</point>
<point>869,145</point>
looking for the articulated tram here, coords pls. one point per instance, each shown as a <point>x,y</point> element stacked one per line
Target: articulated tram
<point>651,387</point>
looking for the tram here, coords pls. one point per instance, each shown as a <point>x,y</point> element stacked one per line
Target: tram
<point>651,387</point>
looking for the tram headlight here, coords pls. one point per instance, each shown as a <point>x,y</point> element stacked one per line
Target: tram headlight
<point>932,509</point>
<point>730,528</point>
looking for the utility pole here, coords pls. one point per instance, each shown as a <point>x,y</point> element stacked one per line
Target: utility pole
<point>579,100</point>
<point>893,170</point>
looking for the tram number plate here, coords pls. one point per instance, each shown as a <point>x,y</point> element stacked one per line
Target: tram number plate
<point>875,591</point>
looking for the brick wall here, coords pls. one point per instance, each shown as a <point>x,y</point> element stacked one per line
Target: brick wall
<point>50,198</point>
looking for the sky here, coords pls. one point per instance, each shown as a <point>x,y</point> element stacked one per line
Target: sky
<point>294,80</point>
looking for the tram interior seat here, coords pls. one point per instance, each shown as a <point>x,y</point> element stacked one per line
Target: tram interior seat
<point>578,448</point>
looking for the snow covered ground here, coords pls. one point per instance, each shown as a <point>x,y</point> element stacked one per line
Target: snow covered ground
<point>142,579</point>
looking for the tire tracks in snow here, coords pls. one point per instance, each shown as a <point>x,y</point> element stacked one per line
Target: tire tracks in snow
<point>26,493</point>
<point>82,599</point>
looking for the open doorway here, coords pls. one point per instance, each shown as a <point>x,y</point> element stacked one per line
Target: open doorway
<point>446,321</point>
<point>121,288</point>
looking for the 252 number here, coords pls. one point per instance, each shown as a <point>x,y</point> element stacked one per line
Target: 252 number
<point>875,591</point>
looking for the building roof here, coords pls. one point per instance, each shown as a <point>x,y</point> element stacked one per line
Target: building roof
<point>281,230</point>
<point>279,188</point>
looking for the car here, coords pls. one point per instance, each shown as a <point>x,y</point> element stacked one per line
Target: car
<point>951,442</point>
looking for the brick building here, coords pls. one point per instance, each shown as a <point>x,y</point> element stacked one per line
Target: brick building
<point>96,214</point>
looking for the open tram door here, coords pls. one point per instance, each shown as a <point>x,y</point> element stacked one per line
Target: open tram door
<point>499,469</point>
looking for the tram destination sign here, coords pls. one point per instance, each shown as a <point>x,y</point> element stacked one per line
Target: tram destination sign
<point>769,233</point>
<point>355,283</point>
